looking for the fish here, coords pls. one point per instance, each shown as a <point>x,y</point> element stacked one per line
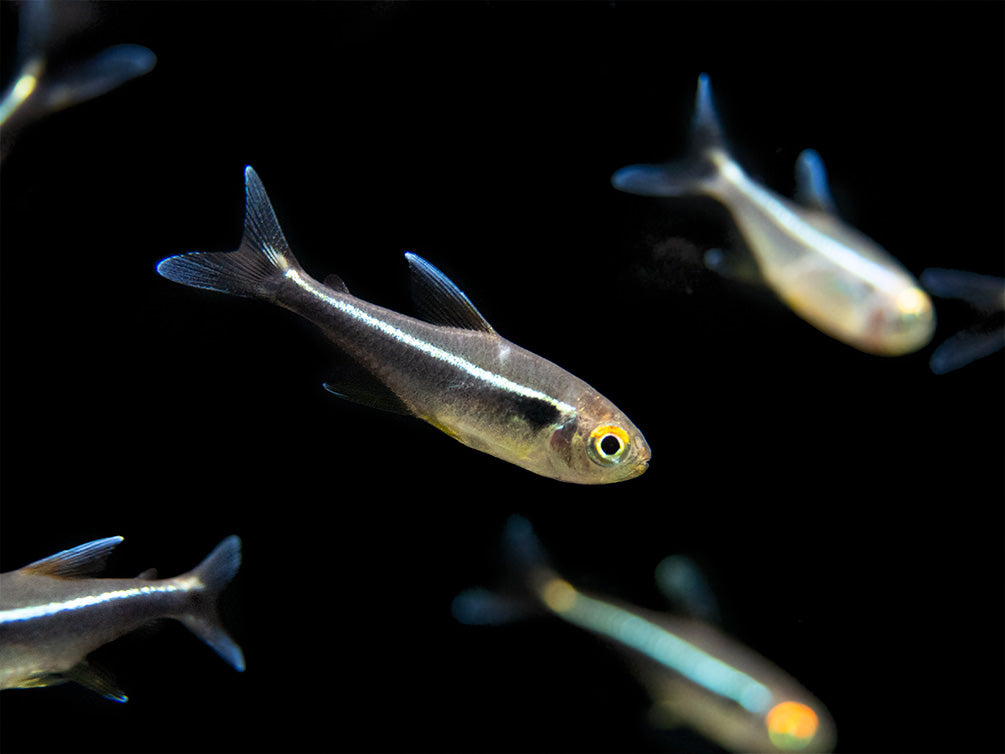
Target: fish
<point>54,613</point>
<point>39,87</point>
<point>985,294</point>
<point>828,273</point>
<point>451,368</point>
<point>696,675</point>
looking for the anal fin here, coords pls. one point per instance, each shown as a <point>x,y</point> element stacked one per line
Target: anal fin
<point>96,679</point>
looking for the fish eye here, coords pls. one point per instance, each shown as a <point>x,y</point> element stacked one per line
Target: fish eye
<point>792,725</point>
<point>608,444</point>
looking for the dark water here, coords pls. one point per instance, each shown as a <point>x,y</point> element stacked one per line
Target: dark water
<point>847,508</point>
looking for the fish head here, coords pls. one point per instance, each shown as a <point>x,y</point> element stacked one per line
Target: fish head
<point>889,315</point>
<point>598,444</point>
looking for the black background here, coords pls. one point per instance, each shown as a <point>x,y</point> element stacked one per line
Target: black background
<point>847,508</point>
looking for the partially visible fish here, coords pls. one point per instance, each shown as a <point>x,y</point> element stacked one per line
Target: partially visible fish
<point>985,294</point>
<point>827,272</point>
<point>696,675</point>
<point>52,616</point>
<point>453,370</point>
<point>39,89</point>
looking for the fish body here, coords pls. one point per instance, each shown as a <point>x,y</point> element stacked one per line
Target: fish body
<point>696,675</point>
<point>52,615</point>
<point>830,274</point>
<point>451,369</point>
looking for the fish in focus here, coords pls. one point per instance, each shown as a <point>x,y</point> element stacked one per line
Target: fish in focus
<point>53,614</point>
<point>985,294</point>
<point>451,368</point>
<point>828,273</point>
<point>39,87</point>
<point>696,675</point>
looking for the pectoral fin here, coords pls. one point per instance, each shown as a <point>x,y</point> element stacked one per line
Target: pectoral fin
<point>359,386</point>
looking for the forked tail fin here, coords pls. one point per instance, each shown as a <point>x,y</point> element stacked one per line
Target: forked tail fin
<point>696,173</point>
<point>255,269</point>
<point>517,599</point>
<point>214,573</point>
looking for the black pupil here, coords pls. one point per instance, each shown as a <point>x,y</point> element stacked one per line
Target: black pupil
<point>610,445</point>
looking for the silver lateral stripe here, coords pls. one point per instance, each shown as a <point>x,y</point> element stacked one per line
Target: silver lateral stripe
<point>671,651</point>
<point>428,348</point>
<point>78,603</point>
<point>808,235</point>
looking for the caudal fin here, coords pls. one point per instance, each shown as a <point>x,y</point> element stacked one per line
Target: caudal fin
<point>255,269</point>
<point>524,557</point>
<point>214,573</point>
<point>696,173</point>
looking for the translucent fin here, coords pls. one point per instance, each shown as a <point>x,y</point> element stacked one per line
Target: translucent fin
<point>96,679</point>
<point>363,388</point>
<point>99,75</point>
<point>965,348</point>
<point>215,572</point>
<point>812,189</point>
<point>986,293</point>
<point>83,560</point>
<point>440,301</point>
<point>255,269</point>
<point>38,88</point>
<point>522,553</point>
<point>670,179</point>
<point>983,293</point>
<point>697,172</point>
<point>480,607</point>
<point>85,673</point>
<point>706,130</point>
<point>521,547</point>
<point>733,264</point>
<point>336,283</point>
<point>683,583</point>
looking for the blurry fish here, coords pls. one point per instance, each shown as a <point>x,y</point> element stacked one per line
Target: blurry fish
<point>830,274</point>
<point>696,675</point>
<point>52,617</point>
<point>983,293</point>
<point>40,88</point>
<point>454,371</point>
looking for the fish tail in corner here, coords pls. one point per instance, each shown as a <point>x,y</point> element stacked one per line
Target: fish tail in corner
<point>697,173</point>
<point>525,558</point>
<point>214,573</point>
<point>255,269</point>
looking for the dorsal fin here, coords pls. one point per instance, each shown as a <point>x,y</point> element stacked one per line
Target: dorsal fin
<point>706,130</point>
<point>812,189</point>
<point>83,560</point>
<point>440,301</point>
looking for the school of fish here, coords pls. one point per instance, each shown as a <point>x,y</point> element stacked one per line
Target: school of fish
<point>450,368</point>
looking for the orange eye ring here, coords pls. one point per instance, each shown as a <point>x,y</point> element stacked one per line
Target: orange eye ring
<point>608,444</point>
